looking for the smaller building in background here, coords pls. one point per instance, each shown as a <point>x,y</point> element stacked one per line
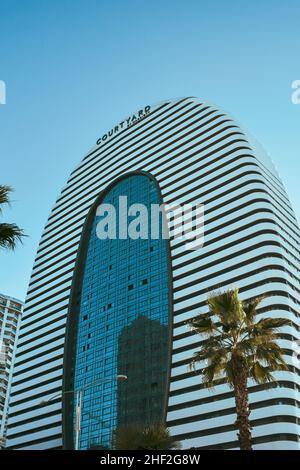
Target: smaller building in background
<point>10,316</point>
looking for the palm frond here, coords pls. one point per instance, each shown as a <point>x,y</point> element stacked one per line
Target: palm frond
<point>272,355</point>
<point>270,325</point>
<point>10,235</point>
<point>197,357</point>
<point>139,436</point>
<point>227,306</point>
<point>215,368</point>
<point>250,307</point>
<point>261,374</point>
<point>127,437</point>
<point>4,195</point>
<point>203,324</point>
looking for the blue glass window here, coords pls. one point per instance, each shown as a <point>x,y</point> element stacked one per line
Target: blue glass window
<point>123,325</point>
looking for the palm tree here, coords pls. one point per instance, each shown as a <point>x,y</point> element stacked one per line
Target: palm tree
<point>144,437</point>
<point>238,347</point>
<point>10,234</point>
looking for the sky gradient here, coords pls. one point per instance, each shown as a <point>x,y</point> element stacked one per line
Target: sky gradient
<point>74,68</point>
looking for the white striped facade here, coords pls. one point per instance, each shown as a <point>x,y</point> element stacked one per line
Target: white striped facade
<point>197,153</point>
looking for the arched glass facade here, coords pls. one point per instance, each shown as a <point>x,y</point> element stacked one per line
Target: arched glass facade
<point>123,325</point>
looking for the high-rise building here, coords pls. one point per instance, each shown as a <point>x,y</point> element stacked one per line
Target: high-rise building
<point>10,316</point>
<point>118,297</point>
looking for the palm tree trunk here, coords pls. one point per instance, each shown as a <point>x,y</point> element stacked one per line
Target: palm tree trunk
<point>242,410</point>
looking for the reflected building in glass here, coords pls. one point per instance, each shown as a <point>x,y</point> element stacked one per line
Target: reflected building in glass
<point>96,308</point>
<point>143,355</point>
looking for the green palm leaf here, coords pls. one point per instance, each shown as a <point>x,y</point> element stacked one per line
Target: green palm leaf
<point>10,234</point>
<point>154,436</point>
<point>4,195</point>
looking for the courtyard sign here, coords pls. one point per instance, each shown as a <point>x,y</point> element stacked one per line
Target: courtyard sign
<point>125,124</point>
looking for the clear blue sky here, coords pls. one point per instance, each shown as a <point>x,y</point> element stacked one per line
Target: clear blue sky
<point>74,68</point>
